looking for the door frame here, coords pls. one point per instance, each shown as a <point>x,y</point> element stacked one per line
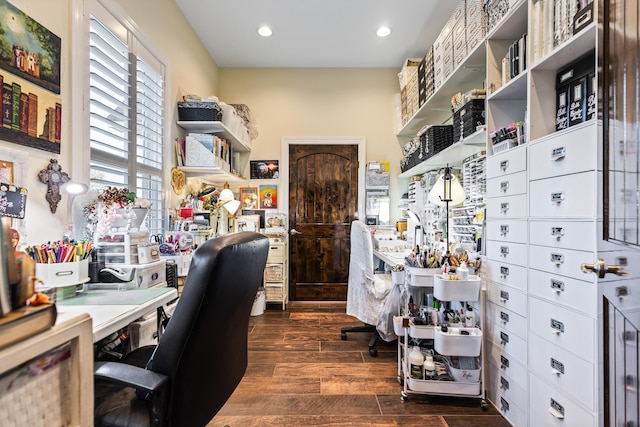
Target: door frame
<point>360,141</point>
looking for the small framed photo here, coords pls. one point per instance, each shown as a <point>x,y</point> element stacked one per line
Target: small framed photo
<point>265,169</point>
<point>268,196</point>
<point>6,172</point>
<point>249,198</point>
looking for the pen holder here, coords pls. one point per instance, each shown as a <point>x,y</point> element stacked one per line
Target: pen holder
<point>63,273</point>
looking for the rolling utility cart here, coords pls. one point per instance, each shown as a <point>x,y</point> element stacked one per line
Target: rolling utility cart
<point>450,345</point>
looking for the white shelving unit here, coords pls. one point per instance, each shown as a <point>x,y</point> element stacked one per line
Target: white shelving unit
<point>276,280</point>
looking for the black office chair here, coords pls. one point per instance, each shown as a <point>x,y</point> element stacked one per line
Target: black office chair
<point>202,354</point>
<point>366,291</point>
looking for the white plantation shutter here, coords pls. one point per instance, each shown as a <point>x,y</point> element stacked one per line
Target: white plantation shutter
<point>126,113</point>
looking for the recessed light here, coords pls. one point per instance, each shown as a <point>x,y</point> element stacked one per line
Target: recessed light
<point>383,31</point>
<point>265,31</point>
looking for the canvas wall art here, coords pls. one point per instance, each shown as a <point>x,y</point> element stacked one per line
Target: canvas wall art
<point>268,196</point>
<point>265,169</point>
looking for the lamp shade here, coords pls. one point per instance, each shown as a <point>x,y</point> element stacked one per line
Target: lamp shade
<point>227,200</point>
<point>447,190</point>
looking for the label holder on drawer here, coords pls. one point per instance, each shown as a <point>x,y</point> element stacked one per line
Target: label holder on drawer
<point>557,326</point>
<point>558,153</point>
<point>557,286</point>
<point>556,409</point>
<point>557,368</point>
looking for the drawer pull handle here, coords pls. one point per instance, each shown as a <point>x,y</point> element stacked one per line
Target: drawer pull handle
<point>504,230</point>
<point>557,232</point>
<point>504,272</point>
<point>504,186</point>
<point>556,409</point>
<point>504,251</point>
<point>504,165</point>
<point>557,326</point>
<point>558,153</point>
<point>504,207</point>
<point>504,317</point>
<point>504,296</point>
<point>504,362</point>
<point>557,286</point>
<point>504,338</point>
<point>557,197</point>
<point>504,405</point>
<point>557,259</point>
<point>504,384</point>
<point>557,368</point>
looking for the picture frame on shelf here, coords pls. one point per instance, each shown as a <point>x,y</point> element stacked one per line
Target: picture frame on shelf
<point>259,212</point>
<point>248,197</point>
<point>6,171</point>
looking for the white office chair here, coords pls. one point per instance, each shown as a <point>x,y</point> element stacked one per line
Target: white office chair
<point>366,291</point>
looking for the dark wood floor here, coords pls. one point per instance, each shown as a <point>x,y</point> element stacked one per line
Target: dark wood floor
<point>302,374</point>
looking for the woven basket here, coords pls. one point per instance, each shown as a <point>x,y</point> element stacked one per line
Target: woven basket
<point>199,112</point>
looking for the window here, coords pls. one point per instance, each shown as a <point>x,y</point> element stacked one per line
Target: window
<point>126,112</point>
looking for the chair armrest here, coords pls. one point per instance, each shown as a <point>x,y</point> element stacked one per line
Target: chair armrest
<point>131,376</point>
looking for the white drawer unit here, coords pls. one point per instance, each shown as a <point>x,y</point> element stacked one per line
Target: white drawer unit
<point>569,196</point>
<point>507,297</point>
<point>507,207</point>
<point>565,262</point>
<point>508,162</point>
<point>506,363</point>
<point>563,370</point>
<point>509,396</point>
<point>512,253</point>
<point>507,274</point>
<point>508,230</point>
<point>508,320</point>
<point>553,156</point>
<point>563,234</point>
<point>276,273</point>
<point>507,185</point>
<point>548,406</point>
<point>580,295</point>
<point>511,343</point>
<point>567,329</point>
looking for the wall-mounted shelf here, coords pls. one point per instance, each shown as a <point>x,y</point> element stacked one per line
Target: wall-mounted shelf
<point>213,174</point>
<point>217,128</point>
<point>451,155</point>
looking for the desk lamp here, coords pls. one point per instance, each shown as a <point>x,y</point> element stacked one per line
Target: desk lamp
<point>73,190</point>
<point>447,189</point>
<point>227,200</point>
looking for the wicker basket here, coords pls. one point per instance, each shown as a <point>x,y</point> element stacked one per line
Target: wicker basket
<point>199,111</point>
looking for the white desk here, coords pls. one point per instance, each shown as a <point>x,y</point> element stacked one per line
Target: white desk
<point>391,258</point>
<point>113,310</point>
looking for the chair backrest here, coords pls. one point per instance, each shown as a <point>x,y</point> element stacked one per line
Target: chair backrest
<point>204,347</point>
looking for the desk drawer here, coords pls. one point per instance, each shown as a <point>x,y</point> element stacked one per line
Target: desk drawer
<point>508,185</point>
<point>508,162</point>
<point>512,253</point>
<point>550,407</point>
<point>563,370</point>
<point>580,295</point>
<point>577,235</point>
<point>567,329</point>
<point>565,262</point>
<point>509,298</point>
<point>507,274</point>
<point>507,364</point>
<point>575,151</point>
<point>510,342</point>
<point>501,389</point>
<point>507,230</point>
<point>569,196</point>
<point>507,207</point>
<point>510,321</point>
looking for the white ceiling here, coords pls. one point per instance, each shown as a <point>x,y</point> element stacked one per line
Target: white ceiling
<point>316,33</point>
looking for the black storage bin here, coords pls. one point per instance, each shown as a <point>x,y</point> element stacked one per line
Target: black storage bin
<point>436,138</point>
<point>572,91</point>
<point>468,118</point>
<point>199,111</point>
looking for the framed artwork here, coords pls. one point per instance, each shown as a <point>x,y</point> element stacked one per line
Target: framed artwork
<point>6,172</point>
<point>265,169</point>
<point>247,223</point>
<point>268,196</point>
<point>249,198</point>
<point>260,213</point>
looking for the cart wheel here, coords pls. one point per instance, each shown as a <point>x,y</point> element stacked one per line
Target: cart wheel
<point>484,405</point>
<point>373,352</point>
<point>404,397</point>
<point>343,335</point>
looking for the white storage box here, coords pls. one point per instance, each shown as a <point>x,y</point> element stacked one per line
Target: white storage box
<point>203,149</point>
<point>144,331</point>
<point>454,343</point>
<point>422,276</point>
<point>421,331</point>
<point>445,289</point>
<point>465,369</point>
<point>63,274</point>
<point>148,252</point>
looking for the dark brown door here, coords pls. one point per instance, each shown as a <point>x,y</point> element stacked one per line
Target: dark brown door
<point>323,200</point>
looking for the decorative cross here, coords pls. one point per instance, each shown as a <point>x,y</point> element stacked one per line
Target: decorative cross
<point>54,178</point>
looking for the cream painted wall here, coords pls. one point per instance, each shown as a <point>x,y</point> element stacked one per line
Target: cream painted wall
<point>292,102</point>
<point>191,70</point>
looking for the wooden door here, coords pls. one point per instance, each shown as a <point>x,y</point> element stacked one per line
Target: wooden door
<point>620,59</point>
<point>323,200</point>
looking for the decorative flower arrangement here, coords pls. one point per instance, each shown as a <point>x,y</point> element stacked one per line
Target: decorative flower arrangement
<point>111,207</point>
